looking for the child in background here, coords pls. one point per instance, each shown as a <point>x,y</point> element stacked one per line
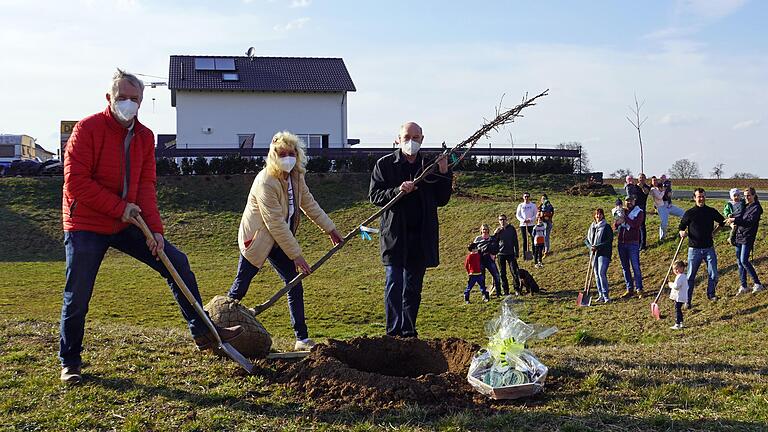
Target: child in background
<point>475,273</point>
<point>618,213</point>
<point>679,293</point>
<point>733,207</point>
<point>539,241</point>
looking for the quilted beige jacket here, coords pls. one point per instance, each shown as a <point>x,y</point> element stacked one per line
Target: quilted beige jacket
<point>265,218</point>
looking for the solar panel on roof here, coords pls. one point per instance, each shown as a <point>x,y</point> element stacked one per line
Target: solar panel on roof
<point>204,63</point>
<point>225,64</point>
<point>230,77</point>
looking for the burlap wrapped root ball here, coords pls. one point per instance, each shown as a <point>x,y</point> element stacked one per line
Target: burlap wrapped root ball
<point>255,341</point>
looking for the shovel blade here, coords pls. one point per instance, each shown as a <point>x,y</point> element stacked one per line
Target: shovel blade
<point>583,299</point>
<point>235,355</point>
<point>655,311</point>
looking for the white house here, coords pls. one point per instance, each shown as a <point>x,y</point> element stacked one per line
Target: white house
<point>230,102</point>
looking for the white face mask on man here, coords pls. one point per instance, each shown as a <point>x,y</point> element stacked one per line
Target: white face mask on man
<point>287,163</point>
<point>411,147</point>
<point>125,110</point>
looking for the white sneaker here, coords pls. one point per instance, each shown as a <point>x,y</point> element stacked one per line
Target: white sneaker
<point>606,300</point>
<point>304,345</point>
<point>757,288</point>
<point>677,326</point>
<point>742,290</point>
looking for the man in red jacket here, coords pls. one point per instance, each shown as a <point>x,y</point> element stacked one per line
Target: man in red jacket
<point>109,175</point>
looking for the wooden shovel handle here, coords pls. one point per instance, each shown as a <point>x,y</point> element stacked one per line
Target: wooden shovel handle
<point>671,265</point>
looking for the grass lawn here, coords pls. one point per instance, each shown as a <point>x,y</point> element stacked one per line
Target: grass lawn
<point>612,367</point>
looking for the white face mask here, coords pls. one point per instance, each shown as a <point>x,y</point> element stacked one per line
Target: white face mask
<point>287,163</point>
<point>126,110</point>
<point>411,147</point>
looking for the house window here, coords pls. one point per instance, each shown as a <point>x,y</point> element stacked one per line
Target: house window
<point>245,140</point>
<point>314,140</point>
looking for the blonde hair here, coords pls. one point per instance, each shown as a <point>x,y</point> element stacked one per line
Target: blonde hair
<point>285,141</point>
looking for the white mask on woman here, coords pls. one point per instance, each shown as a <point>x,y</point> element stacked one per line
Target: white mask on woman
<point>287,163</point>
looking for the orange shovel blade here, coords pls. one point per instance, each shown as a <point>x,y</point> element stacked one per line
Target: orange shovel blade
<point>655,310</point>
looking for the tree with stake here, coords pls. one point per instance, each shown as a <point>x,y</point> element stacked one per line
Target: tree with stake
<point>637,123</point>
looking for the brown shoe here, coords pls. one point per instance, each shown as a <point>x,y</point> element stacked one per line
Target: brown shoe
<point>208,340</point>
<point>70,375</point>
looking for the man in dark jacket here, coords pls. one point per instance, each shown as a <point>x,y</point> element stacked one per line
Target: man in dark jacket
<point>642,191</point>
<point>700,222</point>
<point>109,175</point>
<point>410,229</point>
<point>628,234</point>
<point>509,250</point>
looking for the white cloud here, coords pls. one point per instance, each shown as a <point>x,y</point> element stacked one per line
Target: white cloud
<point>746,124</point>
<point>300,3</point>
<point>674,119</point>
<point>296,24</point>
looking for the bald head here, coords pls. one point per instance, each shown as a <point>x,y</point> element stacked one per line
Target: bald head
<point>410,131</point>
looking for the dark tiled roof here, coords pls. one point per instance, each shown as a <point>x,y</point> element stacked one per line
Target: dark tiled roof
<point>267,74</point>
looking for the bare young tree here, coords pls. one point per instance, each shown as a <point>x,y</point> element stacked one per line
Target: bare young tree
<point>684,168</point>
<point>717,170</point>
<point>637,123</point>
<point>744,175</point>
<point>583,163</point>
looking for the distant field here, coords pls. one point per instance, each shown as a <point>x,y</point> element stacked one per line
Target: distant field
<point>613,367</point>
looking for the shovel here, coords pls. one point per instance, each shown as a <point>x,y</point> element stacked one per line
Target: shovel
<point>225,347</point>
<point>654,306</point>
<point>584,299</point>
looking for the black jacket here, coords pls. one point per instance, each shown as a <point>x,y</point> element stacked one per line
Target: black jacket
<point>700,222</point>
<point>746,223</point>
<point>396,240</point>
<point>508,244</point>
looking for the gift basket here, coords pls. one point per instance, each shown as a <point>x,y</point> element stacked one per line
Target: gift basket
<point>505,368</point>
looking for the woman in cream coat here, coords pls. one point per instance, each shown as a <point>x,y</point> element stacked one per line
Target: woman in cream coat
<point>269,223</point>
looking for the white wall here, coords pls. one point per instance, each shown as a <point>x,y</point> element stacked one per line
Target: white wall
<point>263,114</point>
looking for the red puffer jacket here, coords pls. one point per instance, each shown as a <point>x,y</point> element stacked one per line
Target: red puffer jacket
<point>94,168</point>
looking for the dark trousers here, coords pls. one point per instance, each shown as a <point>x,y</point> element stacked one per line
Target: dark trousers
<point>286,269</point>
<point>538,253</point>
<point>471,281</point>
<point>511,261</point>
<point>402,297</point>
<point>84,252</point>
<point>489,264</point>
<point>679,312</point>
<point>526,232</point>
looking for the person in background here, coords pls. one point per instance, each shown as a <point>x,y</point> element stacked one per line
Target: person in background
<point>547,211</point>
<point>643,189</point>
<point>410,231</point>
<point>474,273</point>
<point>678,291</point>
<point>735,205</point>
<point>746,221</point>
<point>664,208</point>
<point>600,242</point>
<point>267,231</point>
<point>628,233</point>
<point>109,178</point>
<point>526,215</point>
<point>488,246</point>
<point>509,250</point>
<point>700,221</point>
<point>539,241</point>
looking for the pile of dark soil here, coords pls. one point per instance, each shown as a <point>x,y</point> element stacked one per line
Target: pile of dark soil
<point>591,189</point>
<point>375,374</point>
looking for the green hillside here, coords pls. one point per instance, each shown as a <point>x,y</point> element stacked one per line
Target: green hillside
<point>613,367</point>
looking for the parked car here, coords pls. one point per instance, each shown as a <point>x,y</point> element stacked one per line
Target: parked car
<point>31,167</point>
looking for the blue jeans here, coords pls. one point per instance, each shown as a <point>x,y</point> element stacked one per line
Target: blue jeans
<point>286,269</point>
<point>601,275</point>
<point>547,235</point>
<point>84,252</point>
<point>664,211</point>
<point>471,281</point>
<point>629,254</point>
<point>695,257</point>
<point>402,297</point>
<point>742,259</point>
<point>488,263</point>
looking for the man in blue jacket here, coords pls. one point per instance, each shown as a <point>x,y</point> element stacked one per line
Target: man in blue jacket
<point>410,229</point>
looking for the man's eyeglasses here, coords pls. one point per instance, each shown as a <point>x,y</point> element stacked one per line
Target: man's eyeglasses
<point>502,219</point>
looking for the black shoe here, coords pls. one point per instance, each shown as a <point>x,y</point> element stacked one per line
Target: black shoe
<point>208,340</point>
<point>70,375</point>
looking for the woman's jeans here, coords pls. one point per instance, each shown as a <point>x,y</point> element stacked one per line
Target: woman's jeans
<point>664,211</point>
<point>742,259</point>
<point>601,275</point>
<point>547,235</point>
<point>488,263</point>
<point>286,269</point>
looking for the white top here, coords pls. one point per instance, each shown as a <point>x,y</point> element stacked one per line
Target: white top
<point>658,196</point>
<point>526,211</point>
<point>290,198</point>
<point>679,289</point>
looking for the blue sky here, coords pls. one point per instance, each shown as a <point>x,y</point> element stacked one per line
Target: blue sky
<point>700,66</point>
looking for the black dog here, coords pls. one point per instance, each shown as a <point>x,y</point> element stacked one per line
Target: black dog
<point>528,283</point>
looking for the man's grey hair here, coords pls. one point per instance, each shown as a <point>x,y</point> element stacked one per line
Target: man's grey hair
<point>123,75</point>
